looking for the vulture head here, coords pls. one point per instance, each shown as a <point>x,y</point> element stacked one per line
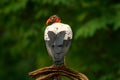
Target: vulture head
<point>53,19</point>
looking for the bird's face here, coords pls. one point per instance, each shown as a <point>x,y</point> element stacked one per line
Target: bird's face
<point>52,20</point>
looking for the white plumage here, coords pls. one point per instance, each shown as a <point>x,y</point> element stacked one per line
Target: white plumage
<point>56,28</point>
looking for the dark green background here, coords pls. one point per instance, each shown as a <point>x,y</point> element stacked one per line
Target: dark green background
<point>95,48</point>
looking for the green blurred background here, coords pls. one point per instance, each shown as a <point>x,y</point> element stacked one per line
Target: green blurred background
<point>95,49</point>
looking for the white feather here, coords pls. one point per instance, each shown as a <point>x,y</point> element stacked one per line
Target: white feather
<point>58,27</point>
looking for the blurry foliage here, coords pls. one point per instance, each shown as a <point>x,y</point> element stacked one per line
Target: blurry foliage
<point>95,46</point>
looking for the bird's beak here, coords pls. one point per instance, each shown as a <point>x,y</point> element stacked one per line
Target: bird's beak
<point>48,21</point>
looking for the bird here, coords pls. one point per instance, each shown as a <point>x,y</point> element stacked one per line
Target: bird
<point>58,37</point>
